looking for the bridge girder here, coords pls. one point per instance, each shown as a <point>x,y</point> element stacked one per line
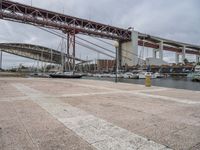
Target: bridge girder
<point>31,15</point>
<point>18,12</point>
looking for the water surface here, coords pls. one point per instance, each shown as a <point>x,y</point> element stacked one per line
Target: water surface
<point>178,82</point>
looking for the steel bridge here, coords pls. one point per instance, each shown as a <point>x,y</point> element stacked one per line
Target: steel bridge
<point>31,15</point>
<point>21,13</point>
<point>34,52</point>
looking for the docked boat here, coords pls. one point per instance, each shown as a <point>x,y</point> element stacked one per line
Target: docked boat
<point>142,75</point>
<point>158,75</point>
<point>196,78</point>
<point>39,75</point>
<point>69,75</point>
<point>112,75</point>
<point>197,69</point>
<point>119,75</point>
<point>195,73</point>
<point>130,75</point>
<point>127,75</point>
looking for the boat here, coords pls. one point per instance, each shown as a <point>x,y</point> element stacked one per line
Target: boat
<point>158,75</point>
<point>39,75</point>
<point>196,78</point>
<point>97,75</point>
<point>195,73</point>
<point>112,75</point>
<point>69,75</point>
<point>119,75</point>
<point>130,75</point>
<point>197,68</point>
<point>127,75</point>
<point>105,75</point>
<point>142,75</point>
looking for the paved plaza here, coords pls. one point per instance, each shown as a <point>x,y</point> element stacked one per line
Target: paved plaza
<point>60,114</point>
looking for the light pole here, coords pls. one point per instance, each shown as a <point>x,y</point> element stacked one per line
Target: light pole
<point>116,44</point>
<point>1,60</point>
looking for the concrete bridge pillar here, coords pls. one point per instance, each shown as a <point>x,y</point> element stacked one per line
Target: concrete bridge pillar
<point>38,62</point>
<point>154,53</point>
<point>177,58</point>
<point>183,53</point>
<point>1,56</point>
<point>161,50</point>
<point>128,51</point>
<point>197,58</point>
<point>120,54</point>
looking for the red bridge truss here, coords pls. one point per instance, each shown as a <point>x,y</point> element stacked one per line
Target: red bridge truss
<point>31,15</point>
<point>17,12</point>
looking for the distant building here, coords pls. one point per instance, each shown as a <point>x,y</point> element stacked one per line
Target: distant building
<point>156,61</point>
<point>105,65</point>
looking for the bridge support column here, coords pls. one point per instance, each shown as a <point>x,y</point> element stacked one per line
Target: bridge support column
<point>177,58</point>
<point>197,58</point>
<point>74,52</point>
<point>129,51</point>
<point>1,56</point>
<point>68,54</point>
<point>154,53</point>
<point>183,53</point>
<point>120,54</point>
<point>38,63</point>
<point>161,50</point>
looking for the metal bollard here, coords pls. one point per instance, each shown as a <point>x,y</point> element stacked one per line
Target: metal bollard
<point>148,81</point>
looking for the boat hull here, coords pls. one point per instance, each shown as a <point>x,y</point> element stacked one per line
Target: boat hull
<point>65,76</point>
<point>196,78</point>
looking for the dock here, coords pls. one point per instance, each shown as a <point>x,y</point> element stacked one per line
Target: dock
<point>96,115</point>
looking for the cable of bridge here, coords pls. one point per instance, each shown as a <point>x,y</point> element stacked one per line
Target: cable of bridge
<point>79,43</point>
<point>121,48</point>
<point>84,45</point>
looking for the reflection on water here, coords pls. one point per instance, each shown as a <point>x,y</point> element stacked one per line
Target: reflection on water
<point>178,82</point>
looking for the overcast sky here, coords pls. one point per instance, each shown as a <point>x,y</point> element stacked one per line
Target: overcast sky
<point>173,19</point>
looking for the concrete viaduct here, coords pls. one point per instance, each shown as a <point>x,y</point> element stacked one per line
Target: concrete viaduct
<point>158,45</point>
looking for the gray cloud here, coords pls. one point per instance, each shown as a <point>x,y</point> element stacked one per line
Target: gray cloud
<point>178,20</point>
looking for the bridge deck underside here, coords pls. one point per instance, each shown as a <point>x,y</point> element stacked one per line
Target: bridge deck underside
<point>34,52</point>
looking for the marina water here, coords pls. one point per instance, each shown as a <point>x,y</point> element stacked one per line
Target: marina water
<point>171,82</point>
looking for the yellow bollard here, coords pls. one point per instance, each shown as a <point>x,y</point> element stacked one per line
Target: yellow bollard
<point>148,81</point>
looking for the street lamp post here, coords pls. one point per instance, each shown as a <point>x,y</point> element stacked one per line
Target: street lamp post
<point>1,59</point>
<point>116,44</point>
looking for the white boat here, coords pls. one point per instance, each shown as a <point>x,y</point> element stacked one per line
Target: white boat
<point>142,75</point>
<point>112,75</point>
<point>89,75</point>
<point>106,75</point>
<point>127,75</point>
<point>196,78</point>
<point>195,73</point>
<point>197,69</point>
<point>119,75</point>
<point>97,75</point>
<point>158,75</point>
<point>130,75</point>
